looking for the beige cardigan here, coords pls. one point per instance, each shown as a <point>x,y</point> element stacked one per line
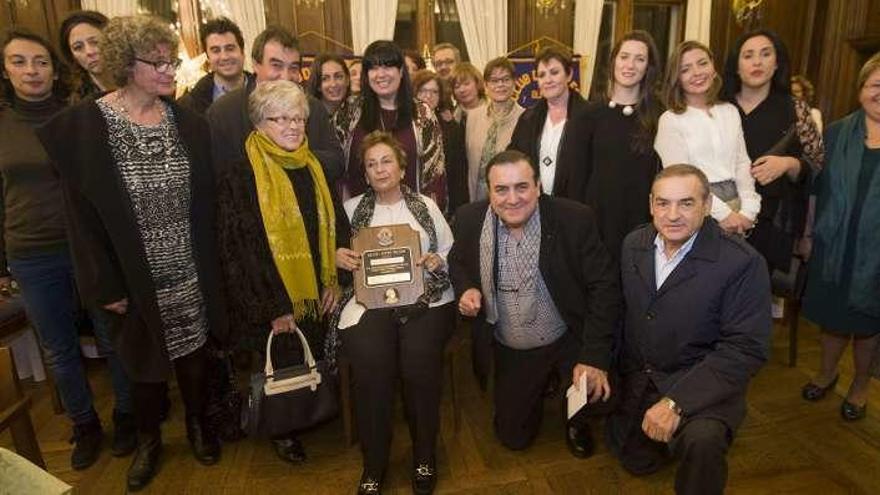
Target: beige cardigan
<point>476,131</point>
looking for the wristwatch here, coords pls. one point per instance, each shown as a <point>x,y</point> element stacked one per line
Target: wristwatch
<point>672,406</point>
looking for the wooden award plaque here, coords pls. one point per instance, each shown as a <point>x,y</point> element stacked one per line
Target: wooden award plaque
<point>389,276</point>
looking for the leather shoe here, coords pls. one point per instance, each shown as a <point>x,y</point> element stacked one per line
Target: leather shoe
<point>87,440</point>
<point>289,449</point>
<point>813,392</point>
<point>369,485</point>
<point>145,463</point>
<point>579,441</point>
<point>124,434</point>
<point>424,479</point>
<point>852,412</point>
<point>203,441</point>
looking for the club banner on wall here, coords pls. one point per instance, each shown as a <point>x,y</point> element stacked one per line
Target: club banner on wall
<point>525,69</point>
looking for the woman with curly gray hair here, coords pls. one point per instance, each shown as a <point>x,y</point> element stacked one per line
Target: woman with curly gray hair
<point>137,178</point>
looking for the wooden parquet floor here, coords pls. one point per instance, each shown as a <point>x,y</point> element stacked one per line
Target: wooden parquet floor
<point>786,445</point>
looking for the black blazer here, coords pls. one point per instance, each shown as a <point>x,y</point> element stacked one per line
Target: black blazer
<point>702,336</point>
<point>572,165</point>
<point>109,257</point>
<point>576,268</point>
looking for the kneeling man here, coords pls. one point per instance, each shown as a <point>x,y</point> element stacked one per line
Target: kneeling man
<point>696,330</point>
<point>531,267</point>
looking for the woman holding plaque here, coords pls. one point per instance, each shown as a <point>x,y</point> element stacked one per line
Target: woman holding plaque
<point>277,236</point>
<point>405,342</point>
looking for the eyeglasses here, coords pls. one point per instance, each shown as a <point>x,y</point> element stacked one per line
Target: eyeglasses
<point>284,121</point>
<point>162,66</point>
<point>499,80</point>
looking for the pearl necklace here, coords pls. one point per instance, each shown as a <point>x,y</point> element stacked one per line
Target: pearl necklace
<point>627,109</point>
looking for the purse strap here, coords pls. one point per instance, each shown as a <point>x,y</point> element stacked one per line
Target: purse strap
<point>307,351</point>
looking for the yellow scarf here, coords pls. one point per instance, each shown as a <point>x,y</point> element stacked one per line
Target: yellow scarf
<point>283,221</point>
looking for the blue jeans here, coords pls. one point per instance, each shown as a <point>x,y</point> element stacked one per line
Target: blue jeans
<point>48,290</point>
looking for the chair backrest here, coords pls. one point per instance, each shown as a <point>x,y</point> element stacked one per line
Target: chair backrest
<point>10,392</point>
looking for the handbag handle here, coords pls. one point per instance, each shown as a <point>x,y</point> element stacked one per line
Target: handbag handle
<point>307,351</point>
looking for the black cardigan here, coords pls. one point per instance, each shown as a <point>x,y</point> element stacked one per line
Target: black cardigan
<point>108,254</point>
<point>581,278</point>
<point>255,291</point>
<point>572,164</point>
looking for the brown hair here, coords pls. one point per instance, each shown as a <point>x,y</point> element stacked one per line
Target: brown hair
<point>499,63</point>
<point>806,87</point>
<point>466,70</point>
<point>648,104</point>
<point>424,76</point>
<point>870,66</point>
<point>549,53</point>
<point>126,38</point>
<point>376,138</point>
<point>673,94</point>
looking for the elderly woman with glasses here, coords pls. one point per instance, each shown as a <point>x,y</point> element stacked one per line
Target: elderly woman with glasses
<point>139,192</point>
<point>277,234</point>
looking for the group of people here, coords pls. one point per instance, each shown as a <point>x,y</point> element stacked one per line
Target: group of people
<point>625,244</point>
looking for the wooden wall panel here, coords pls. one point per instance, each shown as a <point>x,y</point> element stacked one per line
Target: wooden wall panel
<point>526,24</point>
<point>42,17</point>
<point>330,19</point>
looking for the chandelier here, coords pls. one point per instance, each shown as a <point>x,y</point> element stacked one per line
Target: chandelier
<point>545,7</point>
<point>309,3</point>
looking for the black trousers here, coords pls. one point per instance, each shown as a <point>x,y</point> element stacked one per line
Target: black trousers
<point>192,379</point>
<point>700,444</point>
<point>520,380</point>
<point>381,349</point>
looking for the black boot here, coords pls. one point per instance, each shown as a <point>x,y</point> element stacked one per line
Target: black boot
<point>424,478</point>
<point>124,434</point>
<point>369,484</point>
<point>203,440</point>
<point>289,449</point>
<point>145,462</point>
<point>87,438</point>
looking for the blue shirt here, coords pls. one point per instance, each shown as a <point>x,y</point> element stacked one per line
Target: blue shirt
<point>664,266</point>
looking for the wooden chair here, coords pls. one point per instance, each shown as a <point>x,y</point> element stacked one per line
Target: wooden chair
<point>790,287</point>
<point>15,412</point>
<point>13,320</point>
<point>346,405</point>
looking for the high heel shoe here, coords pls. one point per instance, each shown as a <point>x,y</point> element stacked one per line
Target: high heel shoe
<point>813,392</point>
<point>852,412</point>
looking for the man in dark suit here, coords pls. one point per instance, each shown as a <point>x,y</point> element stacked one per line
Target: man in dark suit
<point>533,271</point>
<point>224,49</point>
<point>275,56</point>
<point>696,330</point>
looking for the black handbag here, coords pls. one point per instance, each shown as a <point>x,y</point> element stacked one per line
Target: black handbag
<point>292,398</point>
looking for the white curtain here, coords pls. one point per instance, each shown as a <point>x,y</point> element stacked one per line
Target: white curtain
<point>371,20</point>
<point>249,15</point>
<point>697,24</point>
<point>112,8</point>
<point>587,22</point>
<point>484,26</point>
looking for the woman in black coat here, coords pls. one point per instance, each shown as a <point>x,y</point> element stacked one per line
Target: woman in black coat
<point>557,148</point>
<point>139,192</point>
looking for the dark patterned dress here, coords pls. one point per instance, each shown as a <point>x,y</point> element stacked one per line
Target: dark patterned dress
<point>155,172</point>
